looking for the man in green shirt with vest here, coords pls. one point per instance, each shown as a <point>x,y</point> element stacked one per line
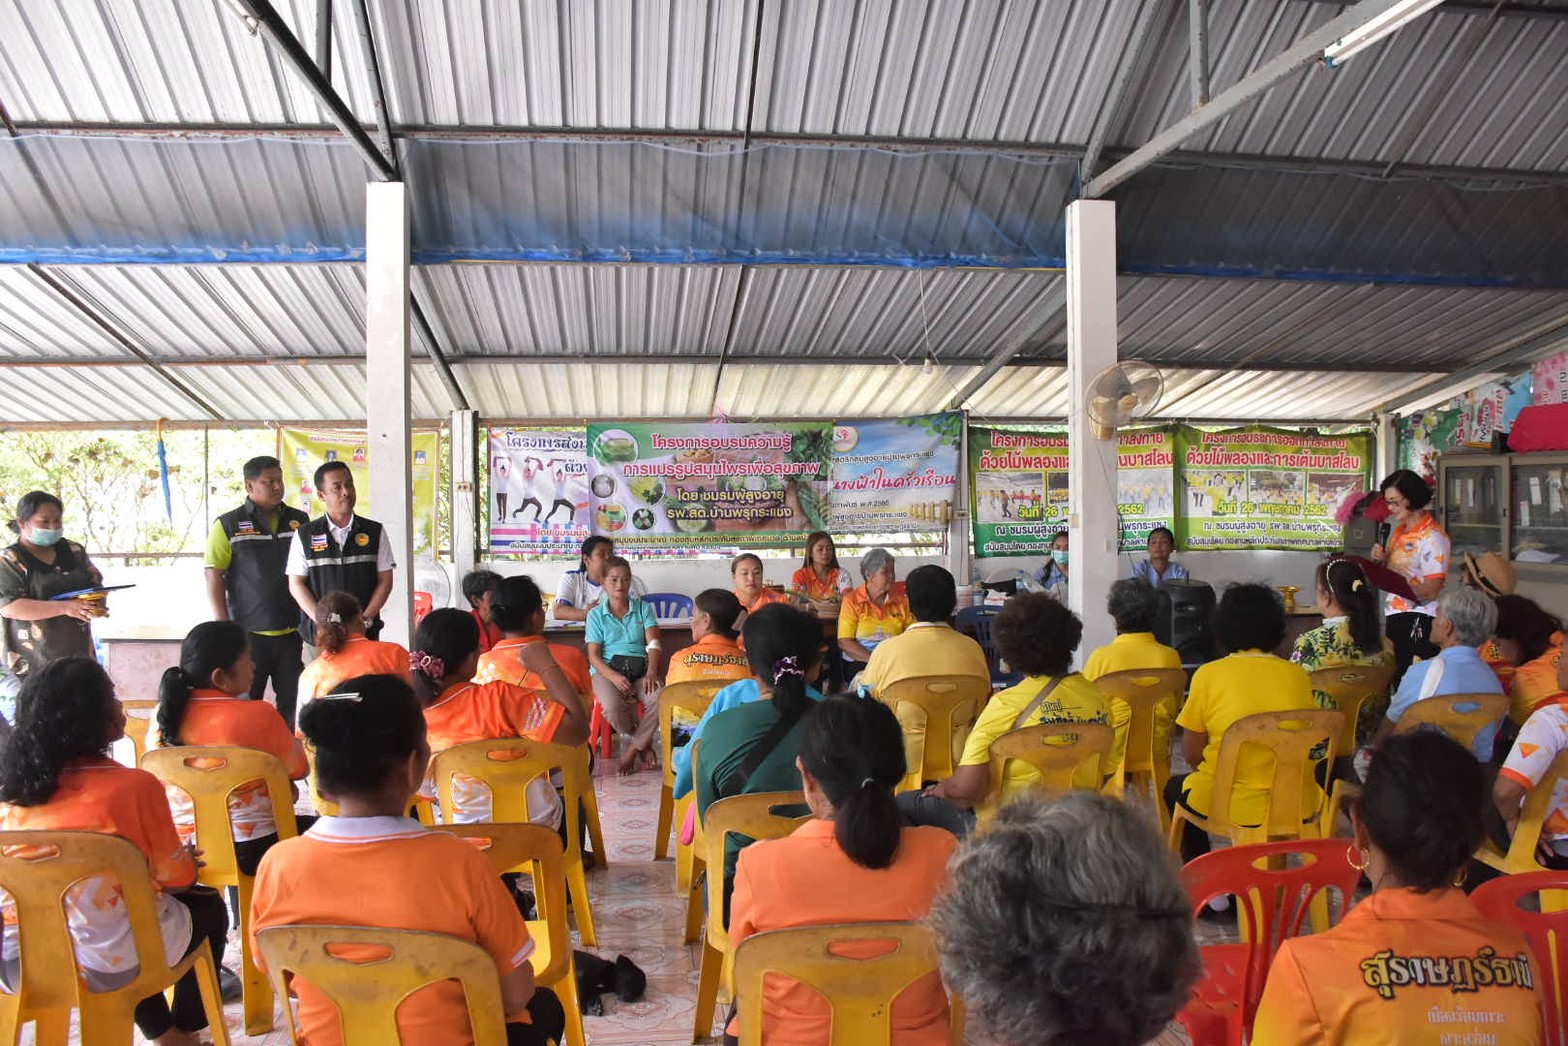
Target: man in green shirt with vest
<point>246,553</point>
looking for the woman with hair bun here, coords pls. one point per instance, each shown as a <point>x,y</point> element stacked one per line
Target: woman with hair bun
<point>346,651</point>
<point>1351,634</point>
<point>851,758</point>
<point>1416,823</point>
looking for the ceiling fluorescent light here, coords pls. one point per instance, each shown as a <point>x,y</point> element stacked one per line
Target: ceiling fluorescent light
<point>1370,32</point>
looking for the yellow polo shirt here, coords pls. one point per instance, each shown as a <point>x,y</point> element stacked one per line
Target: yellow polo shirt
<point>861,619</point>
<point>1075,700</point>
<point>925,648</point>
<point>1134,650</point>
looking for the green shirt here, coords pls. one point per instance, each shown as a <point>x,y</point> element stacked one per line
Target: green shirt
<point>220,556</point>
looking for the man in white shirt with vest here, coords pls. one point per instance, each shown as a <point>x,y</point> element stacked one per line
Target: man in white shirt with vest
<point>340,552</point>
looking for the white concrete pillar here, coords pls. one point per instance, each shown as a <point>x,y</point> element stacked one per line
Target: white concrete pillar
<point>1387,453</point>
<point>960,534</point>
<point>465,492</point>
<point>1092,525</point>
<point>387,386</point>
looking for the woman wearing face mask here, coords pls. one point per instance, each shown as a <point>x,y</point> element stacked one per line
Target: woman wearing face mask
<point>40,629</point>
<point>1054,574</point>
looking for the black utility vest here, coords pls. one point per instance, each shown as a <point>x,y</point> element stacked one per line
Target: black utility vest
<point>329,568</point>
<point>258,590</point>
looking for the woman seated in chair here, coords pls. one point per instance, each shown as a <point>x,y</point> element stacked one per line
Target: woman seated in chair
<point>56,775</point>
<point>1036,635</point>
<point>372,866</point>
<point>1416,823</point>
<point>1531,638</point>
<point>1250,623</point>
<point>459,710</point>
<point>1351,634</point>
<point>1134,605</point>
<point>345,650</point>
<point>624,648</point>
<point>1065,923</point>
<point>205,700</point>
<point>750,590</point>
<point>851,757</point>
<point>517,609</point>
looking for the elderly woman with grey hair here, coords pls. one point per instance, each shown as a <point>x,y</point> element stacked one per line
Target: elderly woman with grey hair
<point>876,610</point>
<point>1065,923</point>
<point>1465,619</point>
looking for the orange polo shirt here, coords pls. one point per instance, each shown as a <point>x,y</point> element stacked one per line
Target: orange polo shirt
<point>766,596</point>
<point>100,795</point>
<point>805,581</point>
<point>1403,967</point>
<point>216,718</point>
<point>711,657</point>
<point>483,711</point>
<point>504,662</point>
<point>779,885</point>
<point>1535,681</point>
<point>359,657</point>
<point>393,873</point>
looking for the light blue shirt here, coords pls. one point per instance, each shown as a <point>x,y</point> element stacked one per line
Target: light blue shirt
<point>1144,569</point>
<point>621,635</point>
<point>1463,673</point>
<point>740,692</point>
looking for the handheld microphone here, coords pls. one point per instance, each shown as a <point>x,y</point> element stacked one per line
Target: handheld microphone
<point>1384,529</point>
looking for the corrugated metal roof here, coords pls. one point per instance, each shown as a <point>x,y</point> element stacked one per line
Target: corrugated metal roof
<point>589,390</point>
<point>35,321</point>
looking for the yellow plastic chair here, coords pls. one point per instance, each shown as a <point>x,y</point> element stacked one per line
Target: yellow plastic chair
<point>1056,751</point>
<point>588,797</point>
<point>367,992</point>
<point>1350,687</point>
<point>209,775</point>
<point>859,991</point>
<point>506,766</point>
<point>946,707</point>
<point>37,870</point>
<point>139,717</point>
<point>693,696</point>
<point>1144,690</point>
<point>751,816</point>
<point>1532,819</point>
<point>324,806</point>
<point>1291,738</point>
<point>536,850</point>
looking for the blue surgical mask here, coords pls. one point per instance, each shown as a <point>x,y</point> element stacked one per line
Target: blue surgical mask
<point>1059,556</point>
<point>45,538</point>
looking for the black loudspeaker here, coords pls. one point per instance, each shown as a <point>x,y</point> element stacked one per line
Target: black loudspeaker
<point>1185,619</point>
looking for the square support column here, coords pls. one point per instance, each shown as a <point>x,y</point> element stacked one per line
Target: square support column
<point>465,493</point>
<point>1093,525</point>
<point>388,404</point>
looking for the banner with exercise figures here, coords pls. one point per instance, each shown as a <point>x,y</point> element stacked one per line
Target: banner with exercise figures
<point>693,486</point>
<point>895,476</point>
<point>302,451</point>
<point>537,499</point>
<point>1259,487</point>
<point>1019,492</point>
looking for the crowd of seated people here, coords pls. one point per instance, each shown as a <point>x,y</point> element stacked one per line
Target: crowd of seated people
<point>1063,920</point>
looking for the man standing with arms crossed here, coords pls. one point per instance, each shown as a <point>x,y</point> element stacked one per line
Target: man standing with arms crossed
<point>246,553</point>
<point>340,552</point>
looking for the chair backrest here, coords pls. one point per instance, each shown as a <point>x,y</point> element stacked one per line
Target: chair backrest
<point>37,869</point>
<point>860,991</point>
<point>322,803</point>
<point>209,774</point>
<point>1293,739</point>
<point>667,605</point>
<point>1538,804</point>
<point>1056,751</point>
<point>694,696</point>
<point>941,701</point>
<point>424,603</point>
<point>1545,930</point>
<point>751,816</point>
<point>506,766</point>
<point>1350,687</point>
<point>1272,899</point>
<point>1143,689</point>
<point>537,850</point>
<point>1460,716</point>
<point>367,971</point>
<point>139,715</point>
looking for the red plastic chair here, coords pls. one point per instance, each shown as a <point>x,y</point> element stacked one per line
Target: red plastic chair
<point>1272,902</point>
<point>600,735</point>
<point>1547,933</point>
<point>424,603</point>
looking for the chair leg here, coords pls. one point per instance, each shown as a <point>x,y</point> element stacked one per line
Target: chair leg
<point>566,990</point>
<point>577,886</point>
<point>590,815</point>
<point>50,1028</point>
<point>206,968</point>
<point>661,836</point>
<point>694,909</point>
<point>258,1000</point>
<point>685,853</point>
<point>707,992</point>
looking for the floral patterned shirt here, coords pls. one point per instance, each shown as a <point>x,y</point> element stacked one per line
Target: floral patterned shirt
<point>1331,645</point>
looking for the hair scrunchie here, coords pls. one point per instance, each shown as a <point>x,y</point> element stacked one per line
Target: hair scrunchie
<point>787,666</point>
<point>429,665</point>
<point>334,618</point>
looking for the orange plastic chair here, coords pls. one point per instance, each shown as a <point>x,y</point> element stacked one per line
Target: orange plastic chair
<point>424,603</point>
<point>506,766</point>
<point>751,816</point>
<point>600,737</point>
<point>1545,930</point>
<point>1272,904</point>
<point>694,884</point>
<point>1145,690</point>
<point>1291,737</point>
<point>946,707</point>
<point>692,696</point>
<point>138,723</point>
<point>859,991</point>
<point>210,775</point>
<point>1058,752</point>
<point>367,991</point>
<point>1350,687</point>
<point>1522,848</point>
<point>37,870</point>
<point>536,850</point>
